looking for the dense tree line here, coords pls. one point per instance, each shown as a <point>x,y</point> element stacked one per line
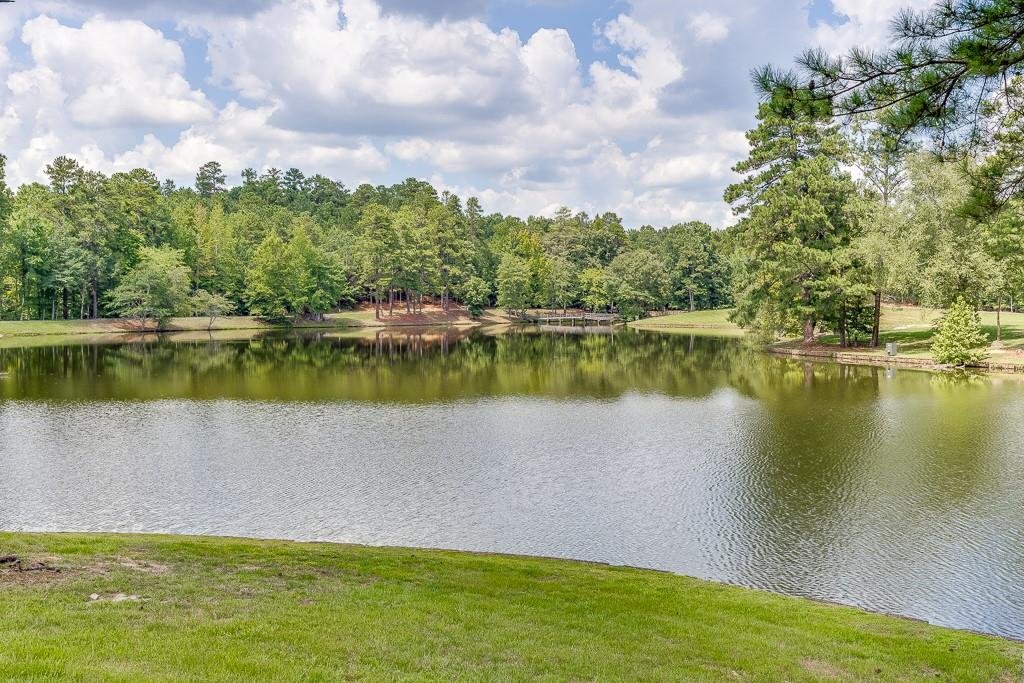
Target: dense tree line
<point>287,245</point>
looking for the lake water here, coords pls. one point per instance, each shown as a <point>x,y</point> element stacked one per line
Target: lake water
<point>897,491</point>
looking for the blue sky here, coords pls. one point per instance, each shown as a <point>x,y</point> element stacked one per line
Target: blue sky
<point>632,106</point>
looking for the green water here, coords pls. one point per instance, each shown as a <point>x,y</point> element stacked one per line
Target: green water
<point>893,490</point>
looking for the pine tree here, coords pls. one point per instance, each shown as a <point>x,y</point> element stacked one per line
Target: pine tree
<point>210,179</point>
<point>959,340</point>
<point>793,203</point>
<point>378,252</point>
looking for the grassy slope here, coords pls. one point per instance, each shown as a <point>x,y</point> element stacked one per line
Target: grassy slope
<point>716,319</point>
<point>356,318</point>
<point>225,609</point>
<point>912,328</point>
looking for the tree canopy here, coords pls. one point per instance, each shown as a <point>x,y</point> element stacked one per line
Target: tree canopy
<point>288,245</point>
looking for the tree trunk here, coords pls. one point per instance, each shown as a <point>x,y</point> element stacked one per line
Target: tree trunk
<point>64,302</point>
<point>809,320</point>
<point>876,323</point>
<point>95,300</point>
<point>999,321</point>
<point>391,301</point>
<point>842,326</point>
<point>691,299</point>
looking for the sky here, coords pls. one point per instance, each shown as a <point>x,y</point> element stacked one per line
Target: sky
<point>632,106</point>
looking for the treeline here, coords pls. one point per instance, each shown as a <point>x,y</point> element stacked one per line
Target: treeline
<point>286,245</point>
<point>895,173</point>
<point>818,250</point>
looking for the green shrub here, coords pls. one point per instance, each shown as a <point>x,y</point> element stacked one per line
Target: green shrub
<point>959,340</point>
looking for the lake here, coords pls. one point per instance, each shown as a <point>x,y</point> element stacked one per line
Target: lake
<point>898,491</point>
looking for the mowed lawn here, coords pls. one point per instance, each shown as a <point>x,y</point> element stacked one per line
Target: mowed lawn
<point>157,608</point>
<point>912,327</point>
<point>714,319</point>
<point>361,317</point>
<point>117,326</point>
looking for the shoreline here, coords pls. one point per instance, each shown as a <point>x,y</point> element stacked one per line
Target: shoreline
<point>866,358</point>
<point>350,320</point>
<point>497,555</point>
<point>361,319</point>
<point>98,604</point>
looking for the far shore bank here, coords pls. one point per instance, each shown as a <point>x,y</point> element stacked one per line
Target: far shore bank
<point>358,318</point>
<point>1010,363</point>
<point>140,607</point>
<point>910,327</point>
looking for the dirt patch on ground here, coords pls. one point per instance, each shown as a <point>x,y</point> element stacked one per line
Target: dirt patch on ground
<point>116,598</point>
<point>824,670</point>
<point>20,571</point>
<point>144,566</point>
<point>15,570</point>
<point>430,315</point>
<point>107,565</point>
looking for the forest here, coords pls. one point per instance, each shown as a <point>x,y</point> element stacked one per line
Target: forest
<point>284,245</point>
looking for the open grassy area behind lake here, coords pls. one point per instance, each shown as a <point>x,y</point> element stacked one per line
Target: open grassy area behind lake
<point>717,319</point>
<point>157,608</point>
<point>911,327</point>
<point>360,317</point>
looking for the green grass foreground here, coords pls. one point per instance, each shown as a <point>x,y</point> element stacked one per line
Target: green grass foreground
<point>177,608</point>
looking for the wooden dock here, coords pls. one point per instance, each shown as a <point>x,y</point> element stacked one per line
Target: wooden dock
<point>571,318</point>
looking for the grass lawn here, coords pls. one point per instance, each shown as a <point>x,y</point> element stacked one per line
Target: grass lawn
<point>157,608</point>
<point>714,319</point>
<point>362,317</point>
<point>912,328</point>
<point>19,328</point>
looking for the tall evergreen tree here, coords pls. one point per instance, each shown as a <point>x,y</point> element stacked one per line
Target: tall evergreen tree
<point>210,179</point>
<point>793,203</point>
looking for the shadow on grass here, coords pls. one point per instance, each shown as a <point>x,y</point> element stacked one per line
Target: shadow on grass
<point>909,340</point>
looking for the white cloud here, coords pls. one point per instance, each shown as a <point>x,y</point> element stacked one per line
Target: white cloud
<point>709,28</point>
<point>351,68</point>
<point>116,73</point>
<point>867,23</point>
<point>466,100</point>
<point>240,138</point>
<point>650,129</point>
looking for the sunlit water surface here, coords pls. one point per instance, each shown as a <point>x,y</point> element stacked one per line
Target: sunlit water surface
<point>892,490</point>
